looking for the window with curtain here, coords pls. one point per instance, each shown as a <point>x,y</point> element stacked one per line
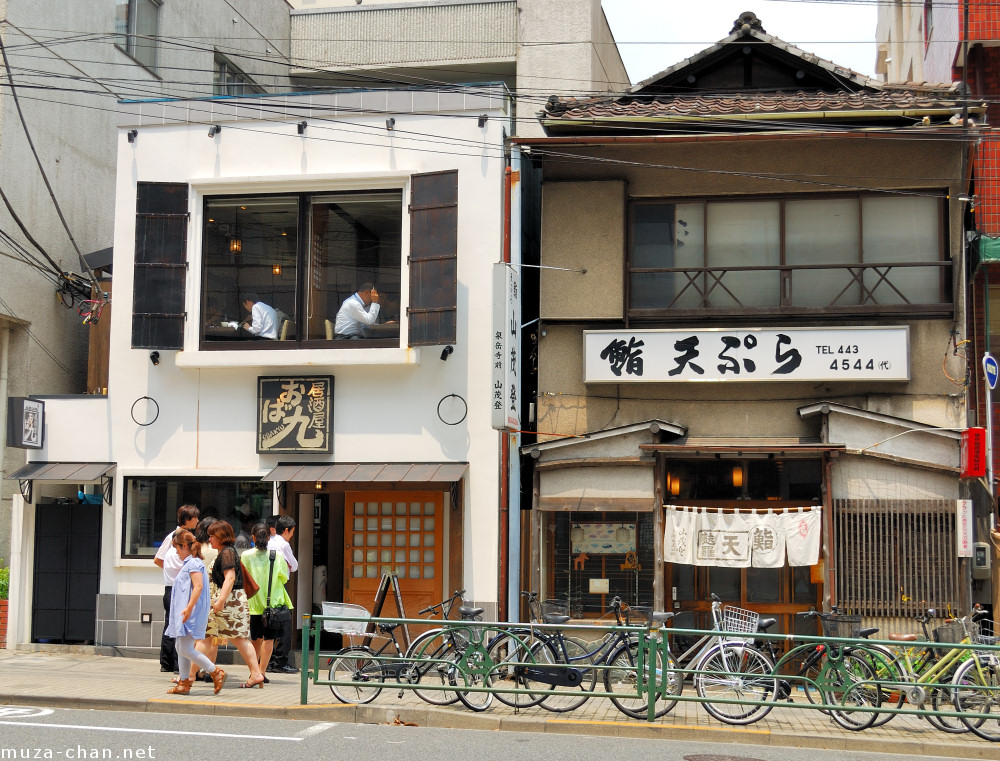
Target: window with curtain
<point>851,253</point>
<point>136,27</point>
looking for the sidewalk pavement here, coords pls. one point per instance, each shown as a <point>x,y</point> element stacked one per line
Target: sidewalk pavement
<point>62,677</point>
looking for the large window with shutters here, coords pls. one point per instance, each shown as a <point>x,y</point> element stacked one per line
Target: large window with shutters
<point>303,255</point>
<point>311,259</point>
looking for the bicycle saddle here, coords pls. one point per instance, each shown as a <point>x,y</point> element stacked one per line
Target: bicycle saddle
<point>766,623</point>
<point>661,617</point>
<point>867,632</point>
<point>903,637</point>
<point>467,613</point>
<point>552,618</point>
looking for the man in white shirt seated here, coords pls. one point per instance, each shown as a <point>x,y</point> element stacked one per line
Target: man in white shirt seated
<point>357,312</point>
<point>263,319</point>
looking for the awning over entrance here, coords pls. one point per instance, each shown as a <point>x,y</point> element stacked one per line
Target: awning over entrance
<point>74,472</point>
<point>62,471</point>
<point>369,472</point>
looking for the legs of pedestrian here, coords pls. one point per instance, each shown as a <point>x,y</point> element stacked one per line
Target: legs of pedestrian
<point>168,652</point>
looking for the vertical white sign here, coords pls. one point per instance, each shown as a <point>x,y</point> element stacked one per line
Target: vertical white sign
<point>963,527</point>
<point>505,393</point>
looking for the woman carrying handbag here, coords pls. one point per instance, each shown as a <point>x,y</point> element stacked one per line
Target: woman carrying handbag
<point>271,571</point>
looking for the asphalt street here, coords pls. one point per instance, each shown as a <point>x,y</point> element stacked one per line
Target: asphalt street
<point>60,733</point>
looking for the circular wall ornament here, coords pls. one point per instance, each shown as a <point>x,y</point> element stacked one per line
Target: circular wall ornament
<point>145,411</point>
<point>452,409</point>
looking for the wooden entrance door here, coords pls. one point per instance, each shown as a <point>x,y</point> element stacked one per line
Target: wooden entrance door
<point>399,532</point>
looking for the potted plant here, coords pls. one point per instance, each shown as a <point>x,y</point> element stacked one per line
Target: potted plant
<point>4,590</point>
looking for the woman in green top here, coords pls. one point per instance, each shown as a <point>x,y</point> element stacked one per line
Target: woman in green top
<point>258,563</point>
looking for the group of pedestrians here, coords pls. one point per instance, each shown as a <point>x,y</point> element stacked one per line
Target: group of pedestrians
<point>206,604</point>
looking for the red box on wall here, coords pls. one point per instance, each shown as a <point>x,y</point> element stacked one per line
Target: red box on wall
<point>973,453</point>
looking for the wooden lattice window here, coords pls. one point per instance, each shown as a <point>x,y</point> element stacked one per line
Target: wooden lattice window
<point>895,557</point>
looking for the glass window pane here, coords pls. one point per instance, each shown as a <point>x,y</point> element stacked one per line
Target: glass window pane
<point>823,231</point>
<point>428,556</point>
<point>244,239</point>
<point>725,582</point>
<point>371,556</point>
<point>763,584</point>
<point>373,508</point>
<point>371,540</point>
<point>356,571</point>
<point>387,524</point>
<point>400,540</point>
<point>386,556</point>
<point>387,508</point>
<point>428,524</point>
<point>359,508</point>
<point>414,508</point>
<point>358,540</point>
<point>414,524</point>
<point>400,524</point>
<point>371,572</point>
<point>359,524</point>
<point>373,524</point>
<point>399,556</point>
<point>745,233</point>
<point>414,556</point>
<point>428,508</point>
<point>356,238</point>
<point>428,540</point>
<point>428,572</point>
<point>357,556</point>
<point>414,572</point>
<point>400,508</point>
<point>902,229</point>
<point>414,540</point>
<point>666,235</point>
<point>386,540</point>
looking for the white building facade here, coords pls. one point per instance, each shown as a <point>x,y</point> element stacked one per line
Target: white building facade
<point>380,447</point>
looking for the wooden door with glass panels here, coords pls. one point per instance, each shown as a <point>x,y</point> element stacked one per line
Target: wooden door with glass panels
<point>394,531</point>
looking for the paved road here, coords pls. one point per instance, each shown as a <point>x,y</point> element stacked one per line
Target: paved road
<point>40,732</point>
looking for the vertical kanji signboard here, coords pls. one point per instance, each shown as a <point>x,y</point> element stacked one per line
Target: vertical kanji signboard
<point>505,394</point>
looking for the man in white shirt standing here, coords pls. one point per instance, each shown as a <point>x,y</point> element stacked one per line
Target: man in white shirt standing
<point>166,558</point>
<point>358,311</point>
<point>284,530</point>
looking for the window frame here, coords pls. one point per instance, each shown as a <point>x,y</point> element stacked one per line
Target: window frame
<point>785,269</point>
<point>304,198</point>
<point>128,37</point>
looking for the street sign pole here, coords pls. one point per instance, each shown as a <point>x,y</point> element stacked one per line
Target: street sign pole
<point>990,373</point>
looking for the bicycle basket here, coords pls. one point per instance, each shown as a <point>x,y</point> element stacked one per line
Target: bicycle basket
<point>555,607</point>
<point>638,615</point>
<point>739,620</point>
<point>954,631</point>
<point>845,627</point>
<point>358,617</point>
<point>987,634</point>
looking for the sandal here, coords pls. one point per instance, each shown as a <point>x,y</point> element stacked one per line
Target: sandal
<point>218,679</point>
<point>183,687</point>
<point>251,685</point>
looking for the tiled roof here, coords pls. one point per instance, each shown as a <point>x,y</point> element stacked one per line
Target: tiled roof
<point>702,105</point>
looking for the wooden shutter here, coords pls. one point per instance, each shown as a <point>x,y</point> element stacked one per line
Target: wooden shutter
<point>161,223</point>
<point>433,259</point>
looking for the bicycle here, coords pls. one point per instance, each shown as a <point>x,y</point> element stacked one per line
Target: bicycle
<point>365,668</point>
<point>834,674</point>
<point>566,662</point>
<point>976,684</point>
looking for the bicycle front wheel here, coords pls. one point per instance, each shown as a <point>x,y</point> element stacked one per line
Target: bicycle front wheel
<point>474,669</point>
<point>977,690</point>
<point>359,666</point>
<point>432,664</point>
<point>512,655</point>
<point>850,682</point>
<point>630,696</point>
<point>738,673</point>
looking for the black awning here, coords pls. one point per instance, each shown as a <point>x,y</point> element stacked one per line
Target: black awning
<point>369,472</point>
<point>76,472</point>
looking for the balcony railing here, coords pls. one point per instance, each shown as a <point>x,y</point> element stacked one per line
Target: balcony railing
<point>917,289</point>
